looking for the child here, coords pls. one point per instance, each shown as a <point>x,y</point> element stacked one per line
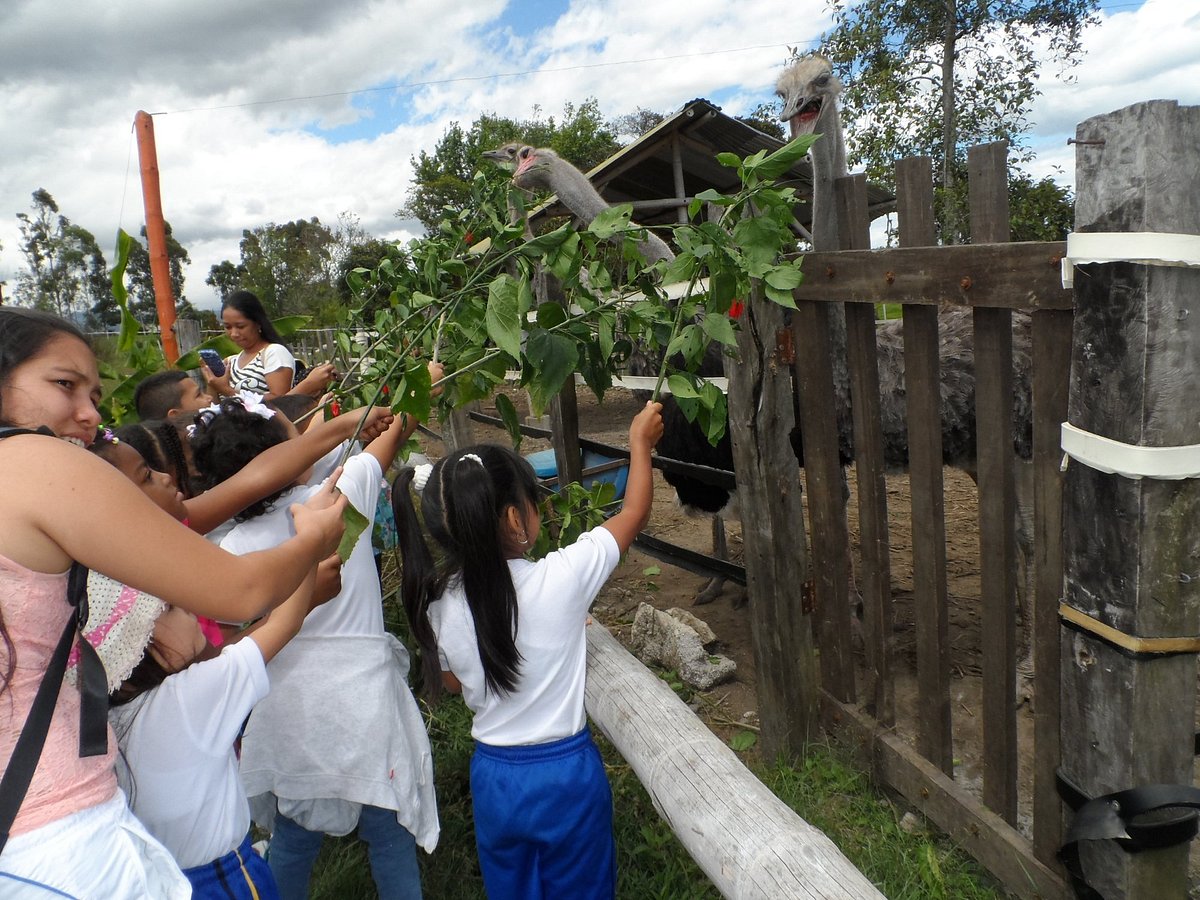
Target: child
<point>176,729</point>
<point>73,834</point>
<point>509,633</point>
<point>163,394</point>
<point>176,718</point>
<point>339,742</point>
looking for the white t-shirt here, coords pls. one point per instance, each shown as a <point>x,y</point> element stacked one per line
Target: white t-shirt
<point>253,375</point>
<point>553,597</point>
<point>357,610</point>
<point>177,741</point>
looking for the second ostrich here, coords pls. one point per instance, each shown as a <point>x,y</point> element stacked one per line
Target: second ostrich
<point>809,91</point>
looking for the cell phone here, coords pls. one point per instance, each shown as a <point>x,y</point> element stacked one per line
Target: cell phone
<point>213,360</point>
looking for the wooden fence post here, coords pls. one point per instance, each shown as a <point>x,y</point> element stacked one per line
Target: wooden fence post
<point>1132,546</point>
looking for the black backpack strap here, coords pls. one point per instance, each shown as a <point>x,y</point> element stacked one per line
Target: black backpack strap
<point>93,684</point>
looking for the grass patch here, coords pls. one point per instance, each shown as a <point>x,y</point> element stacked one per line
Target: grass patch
<point>825,789</point>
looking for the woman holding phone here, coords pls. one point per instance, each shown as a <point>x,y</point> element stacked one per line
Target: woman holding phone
<point>264,365</point>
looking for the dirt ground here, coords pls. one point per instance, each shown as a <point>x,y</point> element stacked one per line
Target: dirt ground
<point>732,706</point>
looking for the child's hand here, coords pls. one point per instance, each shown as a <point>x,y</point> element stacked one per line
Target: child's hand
<point>436,373</point>
<point>376,420</point>
<point>647,427</point>
<point>329,580</point>
<point>317,380</point>
<point>322,515</point>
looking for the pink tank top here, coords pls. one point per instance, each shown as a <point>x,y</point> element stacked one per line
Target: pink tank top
<point>35,610</point>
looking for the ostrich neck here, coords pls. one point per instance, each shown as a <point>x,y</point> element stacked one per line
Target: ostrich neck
<point>829,163</point>
<point>576,192</point>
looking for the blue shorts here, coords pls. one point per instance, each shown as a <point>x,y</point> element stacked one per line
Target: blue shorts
<point>240,874</point>
<point>543,821</point>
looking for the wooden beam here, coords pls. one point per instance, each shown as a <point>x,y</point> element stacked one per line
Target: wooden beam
<point>922,383</point>
<point>1009,276</point>
<point>988,199</point>
<point>875,574</point>
<point>1131,545</point>
<point>749,843</point>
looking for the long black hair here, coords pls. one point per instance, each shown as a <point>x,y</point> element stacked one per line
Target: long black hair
<point>251,307</point>
<point>223,443</point>
<point>24,333</point>
<point>464,504</point>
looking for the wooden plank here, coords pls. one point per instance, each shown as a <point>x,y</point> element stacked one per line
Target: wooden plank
<point>749,843</point>
<point>760,420</point>
<point>997,846</point>
<point>922,380</point>
<point>1012,276</point>
<point>1051,376</point>
<point>875,574</point>
<point>1130,545</point>
<point>826,507</point>
<point>988,199</point>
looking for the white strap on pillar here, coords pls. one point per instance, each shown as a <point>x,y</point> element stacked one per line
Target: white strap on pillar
<point>1130,460</point>
<point>1144,247</point>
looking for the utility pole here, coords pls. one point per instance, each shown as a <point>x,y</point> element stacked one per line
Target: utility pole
<point>156,234</point>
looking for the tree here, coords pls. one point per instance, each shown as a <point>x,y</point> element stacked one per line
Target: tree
<point>931,77</point>
<point>66,272</point>
<point>289,266</point>
<point>442,179</point>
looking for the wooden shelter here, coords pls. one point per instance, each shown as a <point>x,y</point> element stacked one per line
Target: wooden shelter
<point>666,167</point>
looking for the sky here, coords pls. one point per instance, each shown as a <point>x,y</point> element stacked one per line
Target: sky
<point>273,111</point>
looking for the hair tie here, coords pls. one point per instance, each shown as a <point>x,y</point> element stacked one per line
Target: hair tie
<point>472,457</point>
<point>251,402</point>
<point>421,475</point>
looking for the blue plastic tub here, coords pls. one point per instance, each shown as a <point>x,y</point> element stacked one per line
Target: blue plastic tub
<point>546,466</point>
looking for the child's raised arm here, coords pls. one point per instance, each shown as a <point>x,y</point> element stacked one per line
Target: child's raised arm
<point>73,505</point>
<point>279,466</point>
<point>644,433</point>
<point>281,624</point>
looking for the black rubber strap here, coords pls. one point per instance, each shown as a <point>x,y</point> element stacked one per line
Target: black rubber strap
<point>1113,817</point>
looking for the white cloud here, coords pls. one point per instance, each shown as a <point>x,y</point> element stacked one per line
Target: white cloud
<point>71,85</point>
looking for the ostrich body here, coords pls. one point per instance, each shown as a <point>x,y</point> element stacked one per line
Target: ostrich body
<point>809,91</point>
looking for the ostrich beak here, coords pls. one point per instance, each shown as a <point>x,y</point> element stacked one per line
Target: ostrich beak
<point>497,155</point>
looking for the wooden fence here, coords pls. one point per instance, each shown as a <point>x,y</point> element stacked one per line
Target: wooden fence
<point>835,326</point>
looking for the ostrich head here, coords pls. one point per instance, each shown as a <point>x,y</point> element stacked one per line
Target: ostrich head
<point>806,89</point>
<point>505,156</point>
<point>534,168</point>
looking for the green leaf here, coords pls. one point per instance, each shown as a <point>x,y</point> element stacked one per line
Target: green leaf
<point>502,318</point>
<point>508,415</point>
<point>771,167</point>
<point>356,524</point>
<point>682,387</point>
<point>785,278</point>
<point>612,220</point>
<point>606,337</point>
<point>731,160</point>
<point>289,325</point>
<point>129,325</point>
<point>719,328</point>
<point>550,315</point>
<point>743,741</point>
<point>650,571</point>
<point>553,358</point>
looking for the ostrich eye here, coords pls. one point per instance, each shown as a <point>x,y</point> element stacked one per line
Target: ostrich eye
<point>821,80</point>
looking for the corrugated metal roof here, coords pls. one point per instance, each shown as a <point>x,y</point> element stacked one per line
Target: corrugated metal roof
<point>643,171</point>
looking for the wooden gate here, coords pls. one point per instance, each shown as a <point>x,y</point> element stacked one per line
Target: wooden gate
<point>835,327</point>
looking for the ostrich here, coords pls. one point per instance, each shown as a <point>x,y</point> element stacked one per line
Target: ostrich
<point>541,168</point>
<point>809,91</point>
